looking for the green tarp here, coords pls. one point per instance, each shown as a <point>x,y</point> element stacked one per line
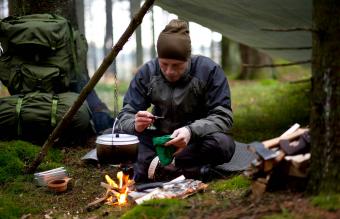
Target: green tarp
<point>244,20</point>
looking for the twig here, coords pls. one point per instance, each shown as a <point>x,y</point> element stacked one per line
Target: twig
<point>300,81</point>
<point>97,203</point>
<point>276,65</point>
<point>65,121</point>
<point>288,29</point>
<point>287,48</point>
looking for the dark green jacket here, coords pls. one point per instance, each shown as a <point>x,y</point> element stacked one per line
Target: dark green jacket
<point>200,100</point>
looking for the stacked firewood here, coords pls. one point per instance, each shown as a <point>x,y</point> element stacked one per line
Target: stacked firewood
<point>290,151</point>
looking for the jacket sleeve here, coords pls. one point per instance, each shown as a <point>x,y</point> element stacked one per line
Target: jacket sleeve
<point>218,104</point>
<point>136,99</point>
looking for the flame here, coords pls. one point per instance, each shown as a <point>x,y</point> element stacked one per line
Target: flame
<point>120,196</point>
<point>111,182</point>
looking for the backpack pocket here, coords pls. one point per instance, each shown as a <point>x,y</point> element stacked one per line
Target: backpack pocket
<point>41,31</point>
<point>38,78</point>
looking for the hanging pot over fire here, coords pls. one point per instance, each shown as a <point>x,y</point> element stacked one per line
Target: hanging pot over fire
<point>117,148</point>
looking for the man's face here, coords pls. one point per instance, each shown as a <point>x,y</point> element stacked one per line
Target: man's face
<point>172,69</point>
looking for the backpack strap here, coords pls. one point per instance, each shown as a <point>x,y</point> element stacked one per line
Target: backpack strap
<point>54,107</point>
<point>18,111</point>
<point>73,47</point>
<point>1,50</point>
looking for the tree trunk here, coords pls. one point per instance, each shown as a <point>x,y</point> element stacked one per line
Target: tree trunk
<point>153,45</point>
<point>247,57</point>
<point>65,8</point>
<point>225,60</point>
<point>134,6</point>
<point>213,48</point>
<point>325,112</point>
<point>80,9</point>
<point>2,9</point>
<point>108,41</point>
<point>252,57</point>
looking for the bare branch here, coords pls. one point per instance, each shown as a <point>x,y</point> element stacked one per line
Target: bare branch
<point>277,65</point>
<point>288,29</point>
<point>287,48</point>
<point>300,81</point>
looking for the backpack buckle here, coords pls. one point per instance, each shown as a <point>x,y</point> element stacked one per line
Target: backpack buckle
<point>1,50</point>
<point>39,84</point>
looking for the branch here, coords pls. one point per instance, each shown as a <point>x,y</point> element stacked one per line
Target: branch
<point>289,29</point>
<point>300,81</point>
<point>53,137</point>
<point>276,65</point>
<point>287,48</point>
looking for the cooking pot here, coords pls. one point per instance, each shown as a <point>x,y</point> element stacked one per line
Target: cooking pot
<point>117,148</point>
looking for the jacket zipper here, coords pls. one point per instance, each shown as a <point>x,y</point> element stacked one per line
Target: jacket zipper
<point>172,102</point>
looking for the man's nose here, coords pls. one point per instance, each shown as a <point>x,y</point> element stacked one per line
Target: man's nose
<point>169,70</point>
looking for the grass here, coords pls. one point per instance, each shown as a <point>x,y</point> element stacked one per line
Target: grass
<point>266,109</point>
<point>238,182</point>
<point>157,209</point>
<point>329,202</point>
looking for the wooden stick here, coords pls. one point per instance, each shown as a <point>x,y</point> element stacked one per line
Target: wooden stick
<point>288,29</point>
<point>65,121</point>
<point>286,48</point>
<point>277,65</point>
<point>96,203</point>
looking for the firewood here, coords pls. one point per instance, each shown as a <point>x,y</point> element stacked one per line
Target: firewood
<point>97,203</point>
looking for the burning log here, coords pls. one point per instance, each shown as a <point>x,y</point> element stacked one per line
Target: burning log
<point>116,193</point>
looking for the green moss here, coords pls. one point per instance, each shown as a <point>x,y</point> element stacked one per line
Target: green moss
<point>158,209</point>
<point>328,202</point>
<point>236,183</point>
<point>8,209</point>
<point>14,155</point>
<point>16,187</point>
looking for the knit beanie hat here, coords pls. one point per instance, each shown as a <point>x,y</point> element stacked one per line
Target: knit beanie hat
<point>174,41</point>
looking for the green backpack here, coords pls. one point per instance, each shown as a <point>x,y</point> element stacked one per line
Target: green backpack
<point>39,53</point>
<point>33,117</point>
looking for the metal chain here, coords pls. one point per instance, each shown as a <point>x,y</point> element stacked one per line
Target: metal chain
<point>115,96</point>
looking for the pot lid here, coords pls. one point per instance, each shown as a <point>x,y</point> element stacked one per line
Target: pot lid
<point>117,139</point>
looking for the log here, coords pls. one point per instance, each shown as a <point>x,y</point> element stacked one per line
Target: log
<point>275,141</point>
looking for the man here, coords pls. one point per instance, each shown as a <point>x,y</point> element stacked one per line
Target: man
<point>191,102</point>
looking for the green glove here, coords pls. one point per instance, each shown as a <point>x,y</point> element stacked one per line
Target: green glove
<point>165,154</point>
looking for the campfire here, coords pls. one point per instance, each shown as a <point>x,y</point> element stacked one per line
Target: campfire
<point>117,193</point>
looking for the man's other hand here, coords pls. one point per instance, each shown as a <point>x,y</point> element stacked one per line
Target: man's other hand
<point>181,138</point>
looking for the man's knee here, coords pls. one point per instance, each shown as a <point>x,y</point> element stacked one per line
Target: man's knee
<point>222,144</point>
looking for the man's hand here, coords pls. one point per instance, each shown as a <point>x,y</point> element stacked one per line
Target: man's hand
<point>143,119</point>
<point>181,138</point>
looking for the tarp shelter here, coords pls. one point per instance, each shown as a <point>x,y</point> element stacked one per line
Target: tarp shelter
<point>244,20</point>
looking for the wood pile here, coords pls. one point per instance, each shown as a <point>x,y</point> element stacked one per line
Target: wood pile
<point>290,152</point>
